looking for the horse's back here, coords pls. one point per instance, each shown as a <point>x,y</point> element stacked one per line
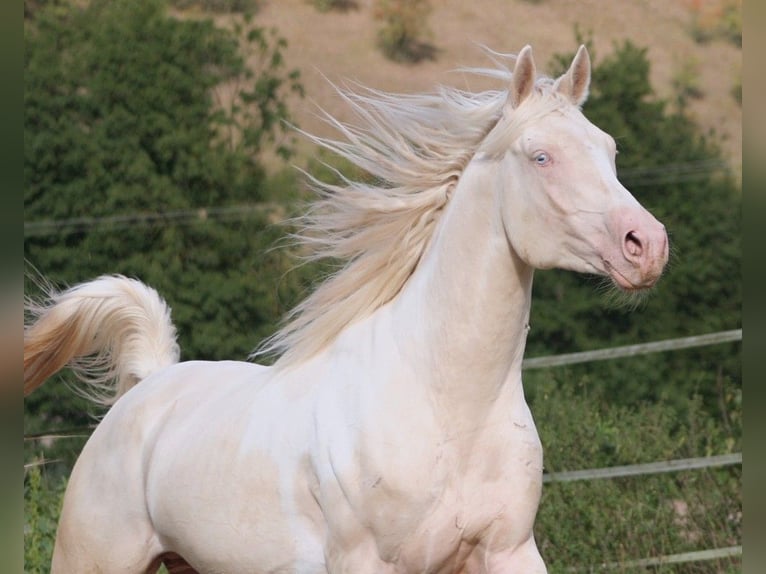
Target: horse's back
<point>183,397</point>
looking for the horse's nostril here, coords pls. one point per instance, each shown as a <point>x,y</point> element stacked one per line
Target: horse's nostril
<point>633,244</point>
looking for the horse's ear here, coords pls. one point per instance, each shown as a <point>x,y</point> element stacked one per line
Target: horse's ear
<point>523,80</point>
<point>575,82</point>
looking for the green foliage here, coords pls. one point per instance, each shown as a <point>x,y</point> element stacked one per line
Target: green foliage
<point>685,82</point>
<point>709,20</point>
<point>402,36</point>
<point>119,114</point>
<point>337,5</point>
<point>120,118</point>
<point>218,6</point>
<point>130,112</point>
<point>736,90</point>
<point>731,22</point>
<point>586,523</point>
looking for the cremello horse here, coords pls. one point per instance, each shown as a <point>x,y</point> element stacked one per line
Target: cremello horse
<point>392,434</point>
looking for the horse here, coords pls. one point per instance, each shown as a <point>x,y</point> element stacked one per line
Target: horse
<point>391,434</point>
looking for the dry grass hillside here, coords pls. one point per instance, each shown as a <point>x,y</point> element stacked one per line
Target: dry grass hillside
<point>341,45</point>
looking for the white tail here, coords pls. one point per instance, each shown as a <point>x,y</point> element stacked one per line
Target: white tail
<point>112,332</point>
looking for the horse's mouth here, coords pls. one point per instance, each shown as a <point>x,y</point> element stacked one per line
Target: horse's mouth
<point>626,284</point>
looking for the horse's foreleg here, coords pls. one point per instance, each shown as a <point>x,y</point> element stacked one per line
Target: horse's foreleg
<point>524,558</point>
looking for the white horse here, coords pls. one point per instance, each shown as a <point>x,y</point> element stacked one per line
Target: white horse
<point>392,434</point>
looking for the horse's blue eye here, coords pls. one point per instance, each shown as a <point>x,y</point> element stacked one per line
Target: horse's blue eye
<point>542,158</point>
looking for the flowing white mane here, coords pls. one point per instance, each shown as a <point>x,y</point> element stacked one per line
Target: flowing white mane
<point>415,148</point>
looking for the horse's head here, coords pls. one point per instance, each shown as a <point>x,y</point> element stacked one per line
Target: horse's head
<point>562,205</point>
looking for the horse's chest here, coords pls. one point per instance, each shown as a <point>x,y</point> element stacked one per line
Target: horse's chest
<point>428,501</point>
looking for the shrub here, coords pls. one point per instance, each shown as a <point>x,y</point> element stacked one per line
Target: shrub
<point>713,19</point>
<point>218,6</point>
<point>736,90</point>
<point>337,5</point>
<point>402,37</point>
<point>131,112</point>
<point>582,524</point>
<point>686,83</point>
<point>730,24</point>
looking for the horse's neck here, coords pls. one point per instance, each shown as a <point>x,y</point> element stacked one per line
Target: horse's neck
<point>469,303</point>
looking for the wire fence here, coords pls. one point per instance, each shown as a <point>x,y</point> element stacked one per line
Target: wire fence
<point>681,172</point>
<point>633,350</point>
<point>129,220</point>
<point>680,558</point>
<point>646,468</point>
<point>650,468</point>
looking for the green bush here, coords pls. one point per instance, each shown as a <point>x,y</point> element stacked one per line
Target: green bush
<point>218,6</point>
<point>718,19</point>
<point>582,524</point>
<point>131,113</point>
<point>337,5</point>
<point>686,82</point>
<point>736,90</point>
<point>404,31</point>
<point>731,22</point>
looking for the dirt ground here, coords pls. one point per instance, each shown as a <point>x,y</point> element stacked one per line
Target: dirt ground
<point>341,46</point>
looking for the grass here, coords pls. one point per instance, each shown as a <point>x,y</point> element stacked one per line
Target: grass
<point>42,504</point>
<point>586,523</point>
